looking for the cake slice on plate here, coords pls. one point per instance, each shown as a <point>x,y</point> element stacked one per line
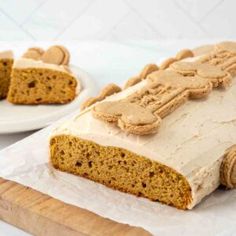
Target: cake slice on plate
<point>36,82</point>
<point>6,61</point>
<point>165,138</point>
<point>43,77</point>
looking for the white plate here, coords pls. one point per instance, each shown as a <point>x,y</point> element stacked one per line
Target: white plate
<point>19,118</point>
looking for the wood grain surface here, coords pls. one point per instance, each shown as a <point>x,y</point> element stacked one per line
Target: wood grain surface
<point>40,214</point>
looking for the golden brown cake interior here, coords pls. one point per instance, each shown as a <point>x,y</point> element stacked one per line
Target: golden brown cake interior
<point>120,169</point>
<point>5,72</point>
<point>41,86</point>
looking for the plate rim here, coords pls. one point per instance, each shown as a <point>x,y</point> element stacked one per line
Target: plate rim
<point>88,88</point>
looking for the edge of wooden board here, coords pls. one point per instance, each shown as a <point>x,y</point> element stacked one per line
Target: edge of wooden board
<point>40,214</point>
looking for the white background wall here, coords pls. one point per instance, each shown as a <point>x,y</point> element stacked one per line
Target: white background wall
<point>116,20</point>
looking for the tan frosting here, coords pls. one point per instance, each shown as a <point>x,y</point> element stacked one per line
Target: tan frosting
<point>192,140</point>
<point>24,63</point>
<point>6,55</point>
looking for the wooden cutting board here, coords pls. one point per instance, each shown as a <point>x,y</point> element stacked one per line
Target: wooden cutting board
<point>40,214</point>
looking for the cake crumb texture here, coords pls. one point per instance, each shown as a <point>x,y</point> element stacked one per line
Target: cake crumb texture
<point>120,169</point>
<point>41,86</point>
<point>5,73</point>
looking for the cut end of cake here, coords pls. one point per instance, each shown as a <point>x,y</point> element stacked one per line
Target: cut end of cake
<point>120,169</point>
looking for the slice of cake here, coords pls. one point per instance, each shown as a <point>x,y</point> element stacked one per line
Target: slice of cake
<point>166,138</point>
<point>37,82</point>
<point>6,61</point>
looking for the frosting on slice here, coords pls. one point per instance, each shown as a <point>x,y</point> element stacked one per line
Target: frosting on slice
<point>6,55</point>
<point>24,63</point>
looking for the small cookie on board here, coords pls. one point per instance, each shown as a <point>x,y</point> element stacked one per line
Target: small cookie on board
<point>228,168</point>
<point>141,112</point>
<point>108,90</point>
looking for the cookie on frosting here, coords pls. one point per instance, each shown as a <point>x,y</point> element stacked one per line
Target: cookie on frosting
<point>148,69</point>
<point>166,63</point>
<point>105,92</point>
<point>56,54</point>
<point>6,61</point>
<point>165,91</point>
<point>130,117</point>
<point>227,46</point>
<point>223,55</point>
<point>34,53</point>
<point>132,81</point>
<point>204,49</point>
<point>184,53</point>
<point>216,75</point>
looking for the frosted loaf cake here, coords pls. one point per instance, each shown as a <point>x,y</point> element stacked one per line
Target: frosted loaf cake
<point>163,138</point>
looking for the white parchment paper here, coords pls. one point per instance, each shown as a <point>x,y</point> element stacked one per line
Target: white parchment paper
<point>27,162</point>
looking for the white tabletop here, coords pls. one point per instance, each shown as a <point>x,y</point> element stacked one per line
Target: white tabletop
<point>105,62</point>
